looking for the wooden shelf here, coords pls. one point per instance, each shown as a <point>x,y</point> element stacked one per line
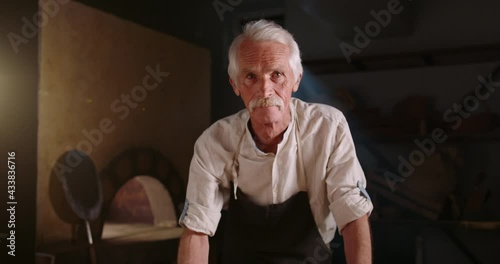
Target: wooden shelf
<point>136,233</point>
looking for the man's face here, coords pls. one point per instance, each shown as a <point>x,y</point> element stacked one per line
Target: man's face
<point>264,79</point>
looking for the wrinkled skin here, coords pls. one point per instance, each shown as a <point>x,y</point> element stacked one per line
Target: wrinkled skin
<point>264,71</point>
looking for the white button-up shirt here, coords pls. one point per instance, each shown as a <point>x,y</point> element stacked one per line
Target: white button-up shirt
<point>316,155</point>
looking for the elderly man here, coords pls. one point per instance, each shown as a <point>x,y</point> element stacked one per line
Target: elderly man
<point>285,170</point>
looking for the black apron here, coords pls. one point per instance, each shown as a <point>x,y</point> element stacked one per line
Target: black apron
<point>277,233</point>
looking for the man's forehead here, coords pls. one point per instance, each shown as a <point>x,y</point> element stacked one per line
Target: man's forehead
<point>281,66</point>
<point>263,52</point>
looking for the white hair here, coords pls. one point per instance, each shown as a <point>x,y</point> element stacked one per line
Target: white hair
<point>263,30</point>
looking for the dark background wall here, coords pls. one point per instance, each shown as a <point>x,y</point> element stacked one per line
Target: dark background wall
<point>467,28</point>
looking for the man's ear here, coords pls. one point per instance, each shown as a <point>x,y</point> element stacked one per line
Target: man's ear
<point>235,88</point>
<point>296,85</point>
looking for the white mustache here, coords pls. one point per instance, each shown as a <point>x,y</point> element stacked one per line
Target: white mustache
<point>266,102</point>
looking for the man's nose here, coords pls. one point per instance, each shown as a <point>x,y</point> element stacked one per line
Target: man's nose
<point>265,87</point>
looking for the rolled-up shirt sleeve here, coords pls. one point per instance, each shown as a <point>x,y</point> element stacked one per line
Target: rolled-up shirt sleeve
<point>204,200</point>
<point>345,179</point>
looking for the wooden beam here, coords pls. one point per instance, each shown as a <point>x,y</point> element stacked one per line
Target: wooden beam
<point>437,57</point>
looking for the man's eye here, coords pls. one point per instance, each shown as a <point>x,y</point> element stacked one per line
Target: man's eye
<point>277,74</point>
<point>250,76</point>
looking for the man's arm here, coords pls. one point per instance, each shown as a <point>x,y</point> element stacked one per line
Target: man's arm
<point>193,248</point>
<point>204,198</point>
<point>350,204</point>
<point>357,241</point>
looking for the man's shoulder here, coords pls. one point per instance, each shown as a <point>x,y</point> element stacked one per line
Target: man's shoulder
<point>317,112</point>
<point>226,129</point>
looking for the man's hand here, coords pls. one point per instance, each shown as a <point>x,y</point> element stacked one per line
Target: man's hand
<point>193,248</point>
<point>357,241</point>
